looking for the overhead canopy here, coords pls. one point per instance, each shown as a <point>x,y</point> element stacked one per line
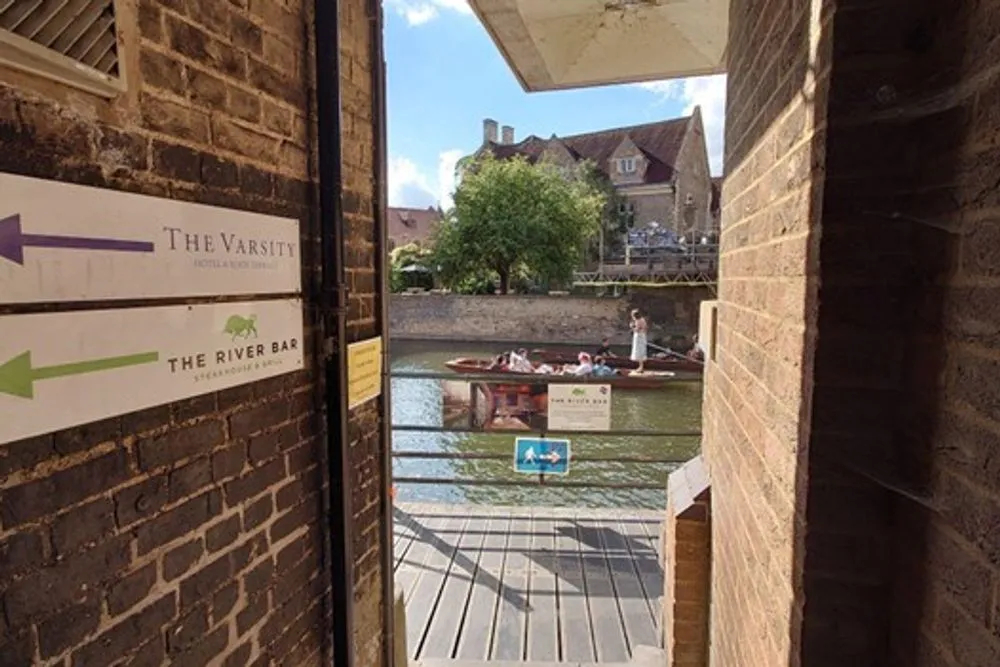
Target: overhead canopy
<point>554,44</point>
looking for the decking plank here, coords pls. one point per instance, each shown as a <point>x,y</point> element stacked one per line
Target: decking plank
<point>576,636</point>
<point>404,541</point>
<point>609,632</point>
<point>509,633</point>
<point>411,566</point>
<point>543,616</point>
<point>650,569</point>
<point>487,588</point>
<point>550,585</point>
<point>647,562</point>
<point>428,588</point>
<point>640,626</point>
<point>446,623</point>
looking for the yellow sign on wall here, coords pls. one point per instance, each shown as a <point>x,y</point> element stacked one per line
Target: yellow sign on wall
<point>364,371</point>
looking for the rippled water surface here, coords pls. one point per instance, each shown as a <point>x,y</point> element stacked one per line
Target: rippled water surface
<point>416,401</point>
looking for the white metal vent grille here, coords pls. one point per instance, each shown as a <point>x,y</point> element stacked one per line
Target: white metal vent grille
<point>74,41</point>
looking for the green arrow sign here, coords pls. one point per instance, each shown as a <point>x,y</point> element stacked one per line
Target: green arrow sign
<point>18,377</point>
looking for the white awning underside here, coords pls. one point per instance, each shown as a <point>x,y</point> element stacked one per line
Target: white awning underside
<point>556,44</point>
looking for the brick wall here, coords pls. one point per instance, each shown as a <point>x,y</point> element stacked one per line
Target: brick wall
<point>757,394</point>
<point>903,551</point>
<point>543,319</point>
<point>361,257</point>
<point>192,533</point>
<point>687,566</point>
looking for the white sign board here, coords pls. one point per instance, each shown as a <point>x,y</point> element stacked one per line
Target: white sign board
<point>579,407</point>
<point>67,242</point>
<point>59,370</point>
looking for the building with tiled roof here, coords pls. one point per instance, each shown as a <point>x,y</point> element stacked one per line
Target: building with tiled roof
<point>660,170</point>
<point>411,225</point>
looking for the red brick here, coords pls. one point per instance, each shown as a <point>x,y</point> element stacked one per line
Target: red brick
<point>257,513</point>
<point>83,526</point>
<point>180,443</point>
<point>190,628</point>
<point>222,534</point>
<point>254,482</point>
<point>127,635</point>
<point>21,552</point>
<point>69,627</point>
<point>65,583</point>
<point>33,500</point>
<point>198,586</point>
<point>224,601</point>
<point>131,590</point>
<point>174,523</point>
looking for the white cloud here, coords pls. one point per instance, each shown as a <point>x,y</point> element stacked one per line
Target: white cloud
<point>708,92</point>
<point>446,176</point>
<point>409,186</point>
<point>418,12</point>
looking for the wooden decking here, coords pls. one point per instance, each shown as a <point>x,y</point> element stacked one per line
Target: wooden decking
<point>521,583</point>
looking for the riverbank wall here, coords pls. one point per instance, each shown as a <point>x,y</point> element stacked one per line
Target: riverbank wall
<point>544,319</point>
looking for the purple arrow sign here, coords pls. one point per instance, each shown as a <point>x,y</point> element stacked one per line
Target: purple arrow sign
<point>13,242</point>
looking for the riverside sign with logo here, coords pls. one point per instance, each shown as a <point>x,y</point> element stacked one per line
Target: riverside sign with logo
<point>579,407</point>
<point>59,370</point>
<point>61,242</point>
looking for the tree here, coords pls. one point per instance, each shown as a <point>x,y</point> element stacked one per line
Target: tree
<point>410,267</point>
<point>512,217</point>
<point>614,222</point>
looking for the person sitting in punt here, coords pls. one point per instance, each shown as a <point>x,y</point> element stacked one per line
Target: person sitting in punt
<point>498,364</point>
<point>604,350</point>
<point>601,369</point>
<point>585,367</point>
<point>519,362</point>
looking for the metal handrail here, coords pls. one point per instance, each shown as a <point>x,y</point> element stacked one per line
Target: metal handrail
<point>519,378</point>
<point>462,481</point>
<point>529,480</point>
<point>495,456</point>
<point>618,433</point>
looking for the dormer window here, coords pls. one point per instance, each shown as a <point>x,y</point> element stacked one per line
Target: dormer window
<point>626,165</point>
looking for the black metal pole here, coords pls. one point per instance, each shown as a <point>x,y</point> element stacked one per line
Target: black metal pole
<point>333,299</point>
<point>379,112</point>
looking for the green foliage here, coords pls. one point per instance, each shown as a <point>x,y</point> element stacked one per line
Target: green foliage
<point>613,221</point>
<point>513,219</point>
<point>410,255</point>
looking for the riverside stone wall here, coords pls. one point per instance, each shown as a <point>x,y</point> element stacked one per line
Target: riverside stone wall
<point>542,318</point>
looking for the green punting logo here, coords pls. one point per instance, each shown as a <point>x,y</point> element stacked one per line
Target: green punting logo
<point>579,391</point>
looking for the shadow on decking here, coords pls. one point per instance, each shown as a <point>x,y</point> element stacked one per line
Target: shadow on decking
<point>528,584</point>
<point>457,557</point>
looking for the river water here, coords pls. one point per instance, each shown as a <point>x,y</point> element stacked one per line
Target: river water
<point>417,401</point>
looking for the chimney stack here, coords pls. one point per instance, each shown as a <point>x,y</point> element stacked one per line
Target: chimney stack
<point>489,130</point>
<point>507,136</point>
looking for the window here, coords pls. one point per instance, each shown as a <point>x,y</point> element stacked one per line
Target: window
<point>626,215</point>
<point>626,165</point>
<point>689,199</point>
<point>73,42</point>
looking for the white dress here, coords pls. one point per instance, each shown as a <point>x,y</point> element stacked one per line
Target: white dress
<point>638,346</point>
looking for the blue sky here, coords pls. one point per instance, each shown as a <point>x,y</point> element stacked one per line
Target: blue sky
<point>445,75</point>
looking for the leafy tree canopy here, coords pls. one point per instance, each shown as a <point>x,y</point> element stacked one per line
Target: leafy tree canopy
<point>513,217</point>
<point>410,266</point>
